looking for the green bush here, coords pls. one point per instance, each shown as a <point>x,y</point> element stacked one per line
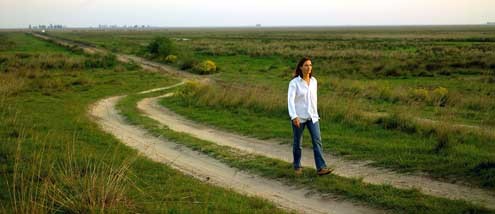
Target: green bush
<point>161,47</point>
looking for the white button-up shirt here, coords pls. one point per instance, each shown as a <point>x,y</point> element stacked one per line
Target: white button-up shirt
<point>302,99</point>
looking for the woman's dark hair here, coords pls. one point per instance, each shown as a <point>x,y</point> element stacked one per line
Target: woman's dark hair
<point>298,71</point>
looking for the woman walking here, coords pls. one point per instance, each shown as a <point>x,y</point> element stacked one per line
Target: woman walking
<point>302,102</point>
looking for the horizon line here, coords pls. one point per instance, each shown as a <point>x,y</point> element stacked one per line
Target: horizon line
<point>109,26</point>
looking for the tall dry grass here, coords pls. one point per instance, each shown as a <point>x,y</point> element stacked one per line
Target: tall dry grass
<point>332,106</point>
<point>10,84</point>
<point>44,183</point>
<point>45,178</point>
<point>433,96</point>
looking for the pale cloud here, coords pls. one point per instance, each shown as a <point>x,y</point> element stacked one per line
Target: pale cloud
<point>20,13</point>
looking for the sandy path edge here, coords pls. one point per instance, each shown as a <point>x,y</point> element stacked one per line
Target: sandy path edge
<point>356,169</point>
<point>211,170</point>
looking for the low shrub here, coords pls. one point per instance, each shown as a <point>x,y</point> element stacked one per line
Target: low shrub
<point>161,47</point>
<point>188,63</point>
<point>205,67</point>
<point>171,59</point>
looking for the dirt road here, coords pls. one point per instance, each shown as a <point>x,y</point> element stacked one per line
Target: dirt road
<point>345,168</point>
<point>212,171</point>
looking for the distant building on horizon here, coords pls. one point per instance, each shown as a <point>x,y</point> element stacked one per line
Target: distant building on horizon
<point>135,26</point>
<point>50,26</point>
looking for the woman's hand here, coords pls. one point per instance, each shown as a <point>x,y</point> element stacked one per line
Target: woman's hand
<point>296,123</point>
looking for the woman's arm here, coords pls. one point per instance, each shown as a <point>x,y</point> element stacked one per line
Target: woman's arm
<point>291,95</point>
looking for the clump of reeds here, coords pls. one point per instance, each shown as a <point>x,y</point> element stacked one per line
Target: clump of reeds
<point>10,84</point>
<point>232,95</point>
<point>43,183</point>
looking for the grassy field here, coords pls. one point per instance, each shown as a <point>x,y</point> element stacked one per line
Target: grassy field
<point>435,70</point>
<point>53,158</point>
<point>379,89</point>
<point>412,99</point>
<point>380,196</point>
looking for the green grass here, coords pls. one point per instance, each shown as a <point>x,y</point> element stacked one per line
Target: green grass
<point>380,196</point>
<point>391,148</point>
<point>351,65</point>
<point>54,158</point>
<point>458,58</point>
<point>20,42</point>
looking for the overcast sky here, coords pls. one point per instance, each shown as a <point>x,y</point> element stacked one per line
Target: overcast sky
<point>189,13</point>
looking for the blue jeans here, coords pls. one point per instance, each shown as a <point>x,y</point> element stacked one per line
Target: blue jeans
<point>314,131</point>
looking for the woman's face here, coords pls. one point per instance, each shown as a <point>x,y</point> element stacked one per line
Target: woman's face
<point>307,67</point>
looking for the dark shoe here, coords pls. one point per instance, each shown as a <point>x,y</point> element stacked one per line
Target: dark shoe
<point>325,171</point>
<point>298,171</point>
